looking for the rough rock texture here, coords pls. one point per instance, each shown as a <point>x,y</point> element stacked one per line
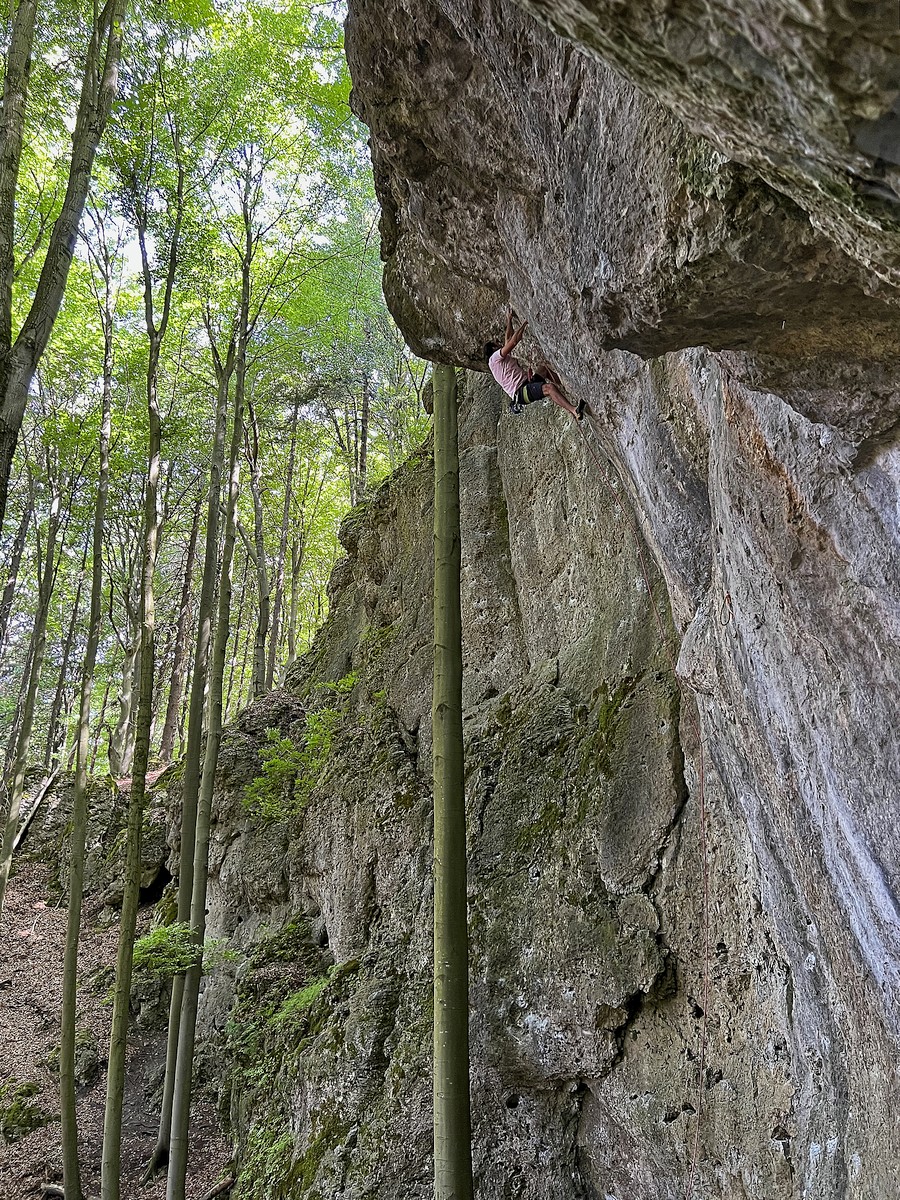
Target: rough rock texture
<point>804,91</point>
<point>732,322</point>
<point>585,871</point>
<point>509,163</point>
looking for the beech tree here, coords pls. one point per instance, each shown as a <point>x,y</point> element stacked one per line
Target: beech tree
<point>103,258</point>
<point>141,185</point>
<point>452,1124</point>
<point>21,351</point>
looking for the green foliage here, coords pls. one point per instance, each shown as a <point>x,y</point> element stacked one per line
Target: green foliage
<point>290,772</point>
<point>170,949</point>
<point>270,796</point>
<point>297,1003</point>
<point>340,687</point>
<point>20,1113</point>
<point>166,950</point>
<point>246,101</point>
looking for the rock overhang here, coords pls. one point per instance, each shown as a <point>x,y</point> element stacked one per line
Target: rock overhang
<point>514,168</point>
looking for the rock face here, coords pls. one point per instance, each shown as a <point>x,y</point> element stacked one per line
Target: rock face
<point>728,307</point>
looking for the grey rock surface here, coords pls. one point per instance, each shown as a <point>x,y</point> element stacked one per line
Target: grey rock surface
<point>728,309</point>
<point>586,895</point>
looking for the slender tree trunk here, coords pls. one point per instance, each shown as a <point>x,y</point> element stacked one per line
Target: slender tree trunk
<point>96,746</point>
<point>282,549</point>
<point>20,763</point>
<point>121,741</point>
<point>452,1129</point>
<point>17,75</point>
<point>19,359</point>
<point>191,778</point>
<point>112,1122</point>
<point>12,574</point>
<point>51,752</point>
<point>130,734</point>
<point>183,711</point>
<point>262,570</point>
<point>351,432</point>
<point>362,473</point>
<point>242,596</point>
<point>245,693</point>
<point>112,1118</point>
<point>12,740</point>
<point>179,657</point>
<point>187,1028</point>
<point>71,1171</point>
<point>296,560</point>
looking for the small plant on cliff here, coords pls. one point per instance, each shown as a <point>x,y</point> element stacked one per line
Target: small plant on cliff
<point>299,1002</point>
<point>269,795</point>
<point>290,771</point>
<point>165,951</point>
<point>340,687</point>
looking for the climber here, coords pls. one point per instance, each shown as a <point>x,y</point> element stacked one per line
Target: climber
<point>523,387</point>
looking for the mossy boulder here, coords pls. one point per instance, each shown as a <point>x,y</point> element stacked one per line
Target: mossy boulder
<point>20,1111</point>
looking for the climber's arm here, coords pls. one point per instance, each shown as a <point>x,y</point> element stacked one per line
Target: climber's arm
<point>512,339</point>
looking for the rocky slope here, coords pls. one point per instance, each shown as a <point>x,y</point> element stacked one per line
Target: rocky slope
<point>729,309</point>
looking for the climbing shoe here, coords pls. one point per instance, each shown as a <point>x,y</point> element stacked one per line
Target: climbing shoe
<point>579,411</point>
<point>516,406</point>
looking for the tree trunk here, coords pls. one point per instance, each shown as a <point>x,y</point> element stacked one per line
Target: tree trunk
<point>298,551</point>
<point>245,695</point>
<point>12,740</point>
<point>242,596</point>
<point>179,657</point>
<point>112,1118</point>
<point>12,574</point>
<point>121,742</point>
<point>96,746</point>
<point>363,468</point>
<point>19,359</point>
<point>296,561</point>
<point>71,1171</point>
<point>12,126</point>
<point>190,782</point>
<point>282,549</point>
<point>183,712</point>
<point>115,1087</point>
<point>39,642</point>
<point>187,1028</point>
<point>452,1130</point>
<point>51,752</point>
<point>262,571</point>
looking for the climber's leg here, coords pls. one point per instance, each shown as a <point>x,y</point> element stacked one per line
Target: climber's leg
<point>548,373</point>
<point>551,390</point>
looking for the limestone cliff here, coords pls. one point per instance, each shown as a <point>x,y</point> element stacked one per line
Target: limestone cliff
<point>728,307</point>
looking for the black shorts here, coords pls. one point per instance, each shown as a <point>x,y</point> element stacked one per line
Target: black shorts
<point>531,390</point>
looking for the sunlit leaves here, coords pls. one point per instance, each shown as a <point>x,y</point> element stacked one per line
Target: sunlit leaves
<point>242,111</point>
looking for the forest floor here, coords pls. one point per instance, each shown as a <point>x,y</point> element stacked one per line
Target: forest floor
<point>32,942</point>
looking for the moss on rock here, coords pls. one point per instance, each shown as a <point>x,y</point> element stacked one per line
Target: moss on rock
<point>20,1112</point>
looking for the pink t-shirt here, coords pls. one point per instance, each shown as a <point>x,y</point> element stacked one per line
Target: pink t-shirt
<point>507,372</point>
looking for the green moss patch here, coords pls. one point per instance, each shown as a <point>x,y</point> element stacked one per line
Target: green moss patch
<point>20,1113</point>
<point>286,1003</point>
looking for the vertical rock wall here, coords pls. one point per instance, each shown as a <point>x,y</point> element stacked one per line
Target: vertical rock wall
<point>729,313</point>
<point>514,169</point>
<point>586,872</point>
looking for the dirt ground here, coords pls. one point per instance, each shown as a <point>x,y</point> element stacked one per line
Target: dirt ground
<point>32,940</point>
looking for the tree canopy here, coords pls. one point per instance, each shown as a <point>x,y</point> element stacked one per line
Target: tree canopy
<point>231,139</point>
